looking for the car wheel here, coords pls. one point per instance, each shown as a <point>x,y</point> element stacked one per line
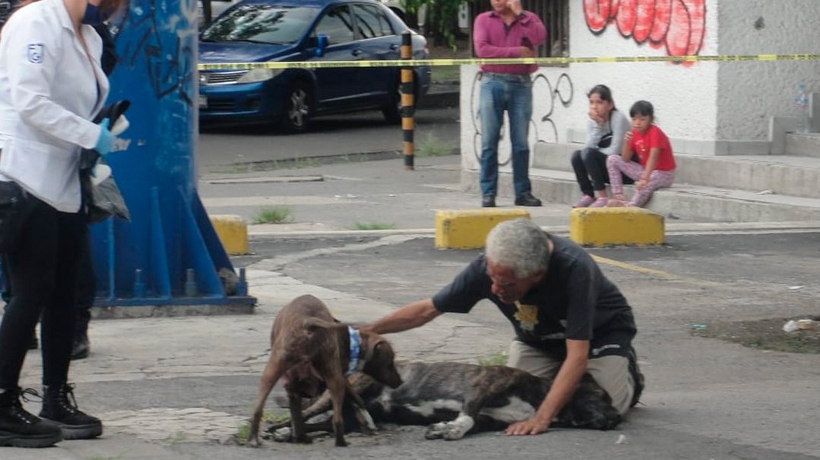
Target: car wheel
<point>297,109</point>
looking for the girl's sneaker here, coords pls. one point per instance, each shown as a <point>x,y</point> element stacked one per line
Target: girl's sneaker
<point>585,201</point>
<point>600,202</point>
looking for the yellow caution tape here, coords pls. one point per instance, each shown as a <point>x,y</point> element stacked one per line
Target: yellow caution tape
<point>539,61</point>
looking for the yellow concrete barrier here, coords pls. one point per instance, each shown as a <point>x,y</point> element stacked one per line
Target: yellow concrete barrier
<point>616,226</point>
<point>232,232</point>
<point>468,229</point>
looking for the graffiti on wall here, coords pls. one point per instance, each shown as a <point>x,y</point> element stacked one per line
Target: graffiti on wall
<point>168,59</point>
<point>547,97</point>
<point>677,25</point>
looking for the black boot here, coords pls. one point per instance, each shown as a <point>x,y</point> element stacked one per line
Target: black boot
<point>20,428</point>
<point>60,406</point>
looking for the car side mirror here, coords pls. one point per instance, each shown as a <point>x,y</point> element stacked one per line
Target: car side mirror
<point>321,45</point>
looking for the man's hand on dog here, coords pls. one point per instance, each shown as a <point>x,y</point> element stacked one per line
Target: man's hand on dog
<point>533,425</point>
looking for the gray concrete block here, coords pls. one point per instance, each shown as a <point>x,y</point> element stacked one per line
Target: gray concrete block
<point>803,144</point>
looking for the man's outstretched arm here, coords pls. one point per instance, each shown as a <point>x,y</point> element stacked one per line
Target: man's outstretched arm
<point>407,317</point>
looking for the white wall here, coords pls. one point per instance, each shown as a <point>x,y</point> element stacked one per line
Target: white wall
<point>684,96</point>
<point>749,93</point>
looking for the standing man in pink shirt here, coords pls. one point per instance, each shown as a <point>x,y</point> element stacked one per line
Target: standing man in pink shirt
<point>506,31</point>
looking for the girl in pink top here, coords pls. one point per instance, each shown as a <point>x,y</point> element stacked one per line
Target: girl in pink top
<point>657,164</point>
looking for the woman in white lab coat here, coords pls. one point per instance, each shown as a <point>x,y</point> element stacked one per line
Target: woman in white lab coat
<point>51,86</point>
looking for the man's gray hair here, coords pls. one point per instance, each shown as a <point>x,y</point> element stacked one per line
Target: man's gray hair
<point>520,245</point>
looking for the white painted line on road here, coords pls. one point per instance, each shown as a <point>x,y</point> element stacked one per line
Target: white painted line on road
<point>276,201</point>
<point>265,180</point>
<point>652,272</point>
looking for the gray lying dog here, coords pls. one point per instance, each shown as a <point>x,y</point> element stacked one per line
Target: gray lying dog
<point>311,351</point>
<point>455,398</point>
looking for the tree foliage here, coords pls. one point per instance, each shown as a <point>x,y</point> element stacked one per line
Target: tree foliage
<point>441,19</point>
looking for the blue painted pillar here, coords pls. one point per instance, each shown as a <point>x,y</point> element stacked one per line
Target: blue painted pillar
<point>169,253</point>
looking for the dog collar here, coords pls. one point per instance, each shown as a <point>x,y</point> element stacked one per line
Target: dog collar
<point>355,343</point>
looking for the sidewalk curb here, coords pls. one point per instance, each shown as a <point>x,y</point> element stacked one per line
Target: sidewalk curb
<point>440,99</point>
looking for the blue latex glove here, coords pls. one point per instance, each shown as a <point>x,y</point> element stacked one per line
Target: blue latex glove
<point>106,140</point>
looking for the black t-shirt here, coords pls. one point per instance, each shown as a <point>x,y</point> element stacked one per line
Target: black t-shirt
<point>573,301</point>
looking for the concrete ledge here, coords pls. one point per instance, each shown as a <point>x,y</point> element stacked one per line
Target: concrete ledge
<point>232,232</point>
<point>616,226</point>
<point>468,229</point>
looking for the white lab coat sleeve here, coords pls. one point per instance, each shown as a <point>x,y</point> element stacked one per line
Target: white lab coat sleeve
<point>35,54</point>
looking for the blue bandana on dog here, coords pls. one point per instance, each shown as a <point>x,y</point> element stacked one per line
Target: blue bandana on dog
<point>355,342</point>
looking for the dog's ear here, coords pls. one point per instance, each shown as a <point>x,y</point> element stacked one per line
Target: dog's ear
<point>378,360</point>
<point>378,349</point>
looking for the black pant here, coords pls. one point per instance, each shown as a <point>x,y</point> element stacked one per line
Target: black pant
<point>86,289</point>
<point>42,276</point>
<point>589,164</point>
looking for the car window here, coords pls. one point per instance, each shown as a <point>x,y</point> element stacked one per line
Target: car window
<point>337,24</point>
<point>259,23</point>
<point>371,22</point>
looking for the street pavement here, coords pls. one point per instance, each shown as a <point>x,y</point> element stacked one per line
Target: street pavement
<point>181,387</point>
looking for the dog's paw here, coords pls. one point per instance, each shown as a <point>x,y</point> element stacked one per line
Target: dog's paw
<point>435,431</point>
<point>450,431</point>
<point>282,435</point>
<point>368,427</point>
<point>253,441</point>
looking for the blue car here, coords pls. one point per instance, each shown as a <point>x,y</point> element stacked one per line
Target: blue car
<point>304,31</point>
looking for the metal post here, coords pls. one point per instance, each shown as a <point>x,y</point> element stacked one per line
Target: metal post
<point>169,254</point>
<point>407,103</point>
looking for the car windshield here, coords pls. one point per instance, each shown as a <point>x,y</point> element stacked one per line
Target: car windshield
<point>260,23</point>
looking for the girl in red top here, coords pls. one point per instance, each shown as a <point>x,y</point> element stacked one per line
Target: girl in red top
<point>657,165</point>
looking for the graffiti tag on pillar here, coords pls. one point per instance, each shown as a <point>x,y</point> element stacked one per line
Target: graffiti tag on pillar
<point>677,25</point>
<point>169,62</point>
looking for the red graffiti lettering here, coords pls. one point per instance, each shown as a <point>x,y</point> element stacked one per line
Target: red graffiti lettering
<point>679,25</point>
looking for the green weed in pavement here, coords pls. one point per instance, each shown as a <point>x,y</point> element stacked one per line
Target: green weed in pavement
<point>373,226</point>
<point>432,146</point>
<point>272,215</point>
<point>498,358</point>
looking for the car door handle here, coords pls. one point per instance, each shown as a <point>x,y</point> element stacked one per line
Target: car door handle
<point>356,52</point>
<point>394,47</point>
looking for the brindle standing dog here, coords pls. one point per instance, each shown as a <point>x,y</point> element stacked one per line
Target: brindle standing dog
<point>456,398</point>
<point>309,348</point>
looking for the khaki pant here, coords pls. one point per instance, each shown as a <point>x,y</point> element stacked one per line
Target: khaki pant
<point>611,372</point>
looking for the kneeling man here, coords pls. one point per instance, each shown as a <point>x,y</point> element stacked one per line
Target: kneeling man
<point>568,317</point>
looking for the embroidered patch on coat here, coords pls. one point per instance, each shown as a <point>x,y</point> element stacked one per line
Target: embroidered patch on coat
<point>35,53</point>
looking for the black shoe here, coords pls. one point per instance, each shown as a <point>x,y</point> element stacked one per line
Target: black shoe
<point>488,201</point>
<point>20,428</point>
<point>637,376</point>
<point>527,200</point>
<point>34,344</point>
<point>60,407</point>
<point>81,347</point>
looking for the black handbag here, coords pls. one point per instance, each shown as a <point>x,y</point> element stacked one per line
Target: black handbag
<point>605,141</point>
<point>15,208</point>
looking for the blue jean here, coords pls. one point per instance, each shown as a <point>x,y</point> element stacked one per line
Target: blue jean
<point>497,95</point>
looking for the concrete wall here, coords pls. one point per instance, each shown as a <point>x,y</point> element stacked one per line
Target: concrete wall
<point>750,93</point>
<point>706,108</point>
